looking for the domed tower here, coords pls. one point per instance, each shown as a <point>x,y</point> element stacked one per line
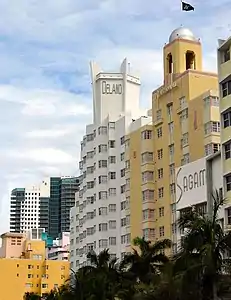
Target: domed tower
<point>182,52</point>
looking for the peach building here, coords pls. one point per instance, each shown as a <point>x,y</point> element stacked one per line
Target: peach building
<point>27,269</point>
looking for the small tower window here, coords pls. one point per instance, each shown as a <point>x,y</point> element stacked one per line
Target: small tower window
<point>170,64</point>
<point>190,60</point>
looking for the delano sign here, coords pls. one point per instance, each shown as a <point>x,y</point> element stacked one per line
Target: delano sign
<point>164,90</point>
<point>111,88</point>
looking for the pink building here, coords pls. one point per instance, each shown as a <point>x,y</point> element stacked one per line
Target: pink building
<point>60,249</point>
<point>13,245</point>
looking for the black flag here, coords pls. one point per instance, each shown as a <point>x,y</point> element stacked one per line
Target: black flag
<point>187,6</point>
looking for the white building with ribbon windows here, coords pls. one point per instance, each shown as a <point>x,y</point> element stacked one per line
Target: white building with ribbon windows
<point>98,220</point>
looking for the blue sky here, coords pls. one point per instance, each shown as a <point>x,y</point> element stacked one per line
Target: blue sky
<point>45,91</point>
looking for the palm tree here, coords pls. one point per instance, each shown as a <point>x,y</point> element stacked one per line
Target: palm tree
<point>105,276</point>
<point>60,293</point>
<point>31,296</point>
<point>204,247</point>
<point>146,264</point>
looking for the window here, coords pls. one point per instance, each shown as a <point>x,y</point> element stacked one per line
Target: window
<point>148,195</point>
<point>112,224</point>
<point>160,173</point>
<point>149,233</point>
<point>211,127</point>
<point>123,222</point>
<point>211,101</point>
<point>184,140</point>
<point>211,148</point>
<point>123,205</point>
<point>103,227</point>
<point>127,185</point>
<point>122,172</point>
<point>227,119</point>
<point>90,185</point>
<point>161,192</point>
<point>112,159</point>
<point>102,130</point>
<point>102,148</point>
<point>111,144</point>
<point>227,150</point>
<point>169,110</point>
<point>158,114</point>
<point>127,144</point>
<point>122,140</point>
<point>90,137</point>
<point>148,214</point>
<point>146,157</point>
<point>102,211</point>
<point>147,176</point>
<point>170,127</point>
<point>159,132</point>
<point>226,55</point>
<point>112,241</point>
<point>216,127</point>
<point>112,175</point>
<point>146,135</point>
<point>112,192</point>
<point>103,243</point>
<point>174,227</point>
<point>90,155</point>
<point>128,220</point>
<point>172,188</point>
<point>229,216</point>
<point>161,212</point>
<point>112,207</point>
<point>127,165</point>
<point>226,88</point>
<point>171,150</point>
<point>184,114</point>
<point>161,231</point>
<point>103,163</point>
<point>102,195</point>
<point>172,169</point>
<point>122,189</point>
<point>160,153</point>
<point>185,160</point>
<point>183,102</point>
<point>90,170</point>
<point>228,182</point>
<point>111,125</point>
<point>122,156</point>
<point>102,179</point>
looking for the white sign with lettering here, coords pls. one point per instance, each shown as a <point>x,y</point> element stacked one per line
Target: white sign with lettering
<point>191,185</point>
<point>111,88</point>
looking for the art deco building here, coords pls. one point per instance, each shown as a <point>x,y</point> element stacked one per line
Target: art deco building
<point>186,127</point>
<point>100,218</point>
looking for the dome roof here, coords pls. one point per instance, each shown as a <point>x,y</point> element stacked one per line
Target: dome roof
<point>182,33</point>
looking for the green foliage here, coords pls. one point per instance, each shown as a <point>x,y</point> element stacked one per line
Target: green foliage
<point>199,271</point>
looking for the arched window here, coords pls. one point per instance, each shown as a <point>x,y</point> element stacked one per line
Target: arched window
<point>190,60</point>
<point>170,63</point>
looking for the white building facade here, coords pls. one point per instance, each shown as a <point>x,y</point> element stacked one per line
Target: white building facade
<point>97,220</point>
<point>196,182</point>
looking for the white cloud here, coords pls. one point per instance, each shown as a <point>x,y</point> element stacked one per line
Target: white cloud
<point>44,155</point>
<point>47,133</point>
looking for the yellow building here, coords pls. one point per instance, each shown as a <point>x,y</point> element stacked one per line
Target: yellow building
<point>24,268</point>
<point>224,73</point>
<point>185,127</point>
